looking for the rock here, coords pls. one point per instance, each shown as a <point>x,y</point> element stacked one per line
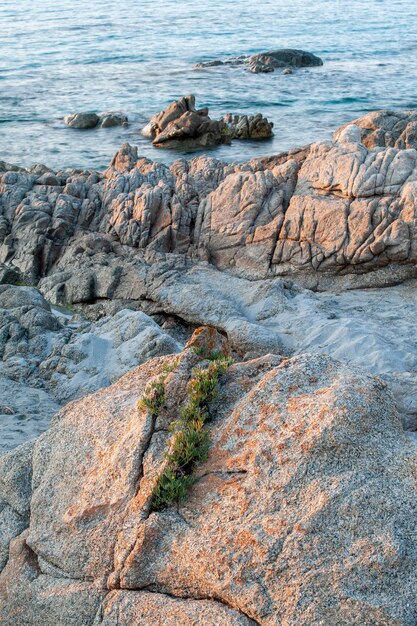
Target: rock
<point>9,275</point>
<point>156,609</point>
<point>286,58</point>
<point>15,494</point>
<point>113,118</point>
<point>387,129</point>
<point>82,120</point>
<point>249,127</point>
<point>92,120</point>
<point>36,598</point>
<point>287,70</point>
<point>315,215</point>
<point>173,112</point>
<point>182,126</point>
<point>256,67</point>
<point>45,361</point>
<point>308,492</point>
<point>266,62</point>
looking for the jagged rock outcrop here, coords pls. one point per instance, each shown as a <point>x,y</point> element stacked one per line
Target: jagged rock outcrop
<point>249,127</point>
<point>92,120</point>
<point>303,513</point>
<point>181,125</point>
<point>334,213</point>
<point>265,62</point>
<point>387,129</point>
<point>48,359</point>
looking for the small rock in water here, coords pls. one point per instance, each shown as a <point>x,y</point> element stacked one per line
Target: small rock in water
<point>92,120</point>
<point>265,62</point>
<point>287,70</point>
<point>6,410</point>
<point>113,118</point>
<point>82,120</point>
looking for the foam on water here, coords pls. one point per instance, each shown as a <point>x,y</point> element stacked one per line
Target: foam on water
<point>61,56</point>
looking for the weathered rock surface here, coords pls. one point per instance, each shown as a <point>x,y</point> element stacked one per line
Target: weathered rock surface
<point>150,609</point>
<point>303,513</point>
<point>15,494</point>
<point>208,242</point>
<point>181,125</point>
<point>249,127</point>
<point>334,213</point>
<point>47,359</point>
<point>91,120</point>
<point>266,62</point>
<point>387,129</point>
<point>82,120</point>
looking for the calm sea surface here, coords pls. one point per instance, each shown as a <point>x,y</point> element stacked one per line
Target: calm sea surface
<point>61,56</point>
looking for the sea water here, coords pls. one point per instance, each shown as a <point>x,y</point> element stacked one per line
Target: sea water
<point>63,56</point>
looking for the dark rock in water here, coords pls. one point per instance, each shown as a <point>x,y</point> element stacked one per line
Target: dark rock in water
<point>113,118</point>
<point>82,120</point>
<point>260,68</point>
<point>92,120</point>
<point>266,62</point>
<point>286,58</point>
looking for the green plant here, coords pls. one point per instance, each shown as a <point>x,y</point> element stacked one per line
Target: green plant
<point>167,368</point>
<point>154,396</point>
<point>190,442</point>
<point>210,355</point>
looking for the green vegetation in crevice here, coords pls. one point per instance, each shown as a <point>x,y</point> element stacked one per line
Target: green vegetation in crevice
<point>190,441</point>
<point>210,355</point>
<point>154,397</point>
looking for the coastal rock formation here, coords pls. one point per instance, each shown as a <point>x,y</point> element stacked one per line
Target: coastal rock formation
<point>48,359</point>
<point>387,129</point>
<point>82,120</point>
<point>333,213</point>
<point>248,127</point>
<point>303,512</point>
<point>265,62</point>
<point>181,125</point>
<point>91,120</point>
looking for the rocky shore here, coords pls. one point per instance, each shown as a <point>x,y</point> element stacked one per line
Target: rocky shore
<point>301,267</point>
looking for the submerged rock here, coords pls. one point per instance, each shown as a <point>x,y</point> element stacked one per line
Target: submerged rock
<point>308,492</point>
<point>82,120</point>
<point>113,118</point>
<point>286,58</point>
<point>265,62</point>
<point>92,120</point>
